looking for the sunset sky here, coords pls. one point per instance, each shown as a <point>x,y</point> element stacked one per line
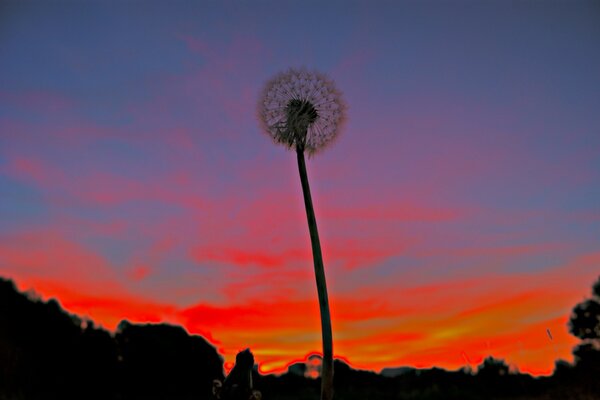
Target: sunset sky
<point>459,210</point>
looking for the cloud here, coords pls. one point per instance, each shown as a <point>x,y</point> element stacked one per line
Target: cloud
<point>102,189</point>
<point>45,254</point>
<point>243,258</point>
<point>140,272</point>
<point>392,212</point>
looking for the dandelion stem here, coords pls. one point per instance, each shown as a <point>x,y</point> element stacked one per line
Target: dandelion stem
<point>327,337</point>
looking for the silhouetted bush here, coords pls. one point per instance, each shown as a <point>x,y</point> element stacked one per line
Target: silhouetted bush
<point>164,362</point>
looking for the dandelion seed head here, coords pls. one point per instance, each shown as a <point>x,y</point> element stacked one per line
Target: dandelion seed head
<point>301,109</point>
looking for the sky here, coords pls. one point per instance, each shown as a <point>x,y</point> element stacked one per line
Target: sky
<point>459,208</point>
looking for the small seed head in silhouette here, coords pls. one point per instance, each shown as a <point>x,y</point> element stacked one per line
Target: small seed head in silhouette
<point>301,109</point>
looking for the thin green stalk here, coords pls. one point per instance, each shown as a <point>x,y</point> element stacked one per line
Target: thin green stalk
<point>327,368</point>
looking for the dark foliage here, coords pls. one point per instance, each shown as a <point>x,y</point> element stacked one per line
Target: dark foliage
<point>239,383</point>
<point>164,362</point>
<point>585,324</point>
<point>584,321</point>
<point>46,353</point>
<point>596,289</point>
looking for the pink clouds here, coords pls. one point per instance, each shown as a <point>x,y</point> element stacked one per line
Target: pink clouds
<point>407,212</point>
<point>494,252</point>
<point>244,258</point>
<point>279,283</point>
<point>347,253</point>
<point>140,272</point>
<point>354,254</point>
<point>102,189</point>
<point>47,254</point>
<point>38,173</point>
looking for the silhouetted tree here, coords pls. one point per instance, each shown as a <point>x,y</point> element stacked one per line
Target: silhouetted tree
<point>585,324</point>
<point>37,346</point>
<point>98,362</point>
<point>46,353</point>
<point>303,111</point>
<point>239,382</point>
<point>585,319</point>
<point>596,289</point>
<point>493,368</point>
<point>161,361</point>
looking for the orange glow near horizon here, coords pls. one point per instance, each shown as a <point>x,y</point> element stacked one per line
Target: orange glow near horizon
<point>510,324</point>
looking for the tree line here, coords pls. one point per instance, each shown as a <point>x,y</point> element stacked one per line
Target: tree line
<point>47,353</point>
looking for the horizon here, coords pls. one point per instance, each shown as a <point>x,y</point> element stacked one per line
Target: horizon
<point>472,368</point>
<point>459,208</point>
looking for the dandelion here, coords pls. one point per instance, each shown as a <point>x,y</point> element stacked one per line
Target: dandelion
<point>303,111</point>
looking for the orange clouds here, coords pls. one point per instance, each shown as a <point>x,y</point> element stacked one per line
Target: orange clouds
<point>371,333</point>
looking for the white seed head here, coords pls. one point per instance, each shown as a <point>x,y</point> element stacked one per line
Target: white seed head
<point>301,109</point>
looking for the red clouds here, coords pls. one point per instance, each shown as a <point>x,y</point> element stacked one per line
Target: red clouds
<point>246,258</point>
<point>139,272</point>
